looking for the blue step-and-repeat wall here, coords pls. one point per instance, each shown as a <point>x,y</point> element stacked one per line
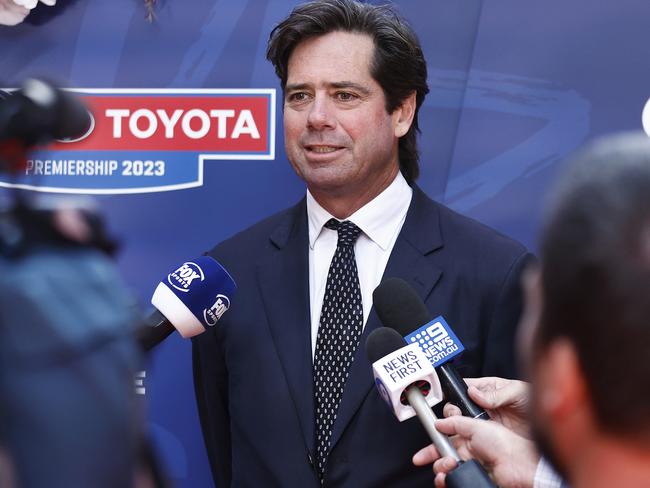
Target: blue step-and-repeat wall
<point>515,87</point>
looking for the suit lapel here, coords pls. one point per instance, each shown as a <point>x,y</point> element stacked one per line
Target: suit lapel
<point>420,235</point>
<point>284,285</point>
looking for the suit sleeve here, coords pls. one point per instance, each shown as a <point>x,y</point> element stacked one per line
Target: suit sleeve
<point>211,390</point>
<point>500,345</point>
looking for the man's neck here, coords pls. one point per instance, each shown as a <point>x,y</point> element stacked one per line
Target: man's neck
<point>611,463</point>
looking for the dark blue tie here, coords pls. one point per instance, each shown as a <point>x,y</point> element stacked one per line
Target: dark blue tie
<point>341,322</point>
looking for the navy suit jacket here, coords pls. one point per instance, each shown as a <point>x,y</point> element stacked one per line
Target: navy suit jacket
<point>253,371</point>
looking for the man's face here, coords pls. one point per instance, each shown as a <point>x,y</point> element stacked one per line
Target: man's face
<point>339,137</point>
<point>535,365</point>
<point>543,429</point>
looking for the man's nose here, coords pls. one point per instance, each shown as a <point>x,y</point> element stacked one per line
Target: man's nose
<point>321,115</point>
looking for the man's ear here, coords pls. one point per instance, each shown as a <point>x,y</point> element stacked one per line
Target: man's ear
<point>403,116</point>
<point>562,389</point>
<point>531,283</point>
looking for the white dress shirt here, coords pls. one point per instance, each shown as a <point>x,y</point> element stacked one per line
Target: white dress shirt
<point>380,221</point>
<point>546,476</point>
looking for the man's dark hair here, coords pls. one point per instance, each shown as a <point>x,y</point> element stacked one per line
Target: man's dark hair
<point>398,64</point>
<point>596,278</point>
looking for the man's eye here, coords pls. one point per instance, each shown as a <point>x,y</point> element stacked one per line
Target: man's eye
<point>297,97</point>
<point>345,96</point>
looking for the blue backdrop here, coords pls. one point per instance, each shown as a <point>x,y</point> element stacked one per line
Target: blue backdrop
<point>515,86</point>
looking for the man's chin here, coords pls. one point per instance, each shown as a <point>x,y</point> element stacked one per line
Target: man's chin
<point>327,180</point>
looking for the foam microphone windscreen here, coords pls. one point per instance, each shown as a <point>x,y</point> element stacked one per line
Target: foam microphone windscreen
<point>381,342</point>
<point>398,306</point>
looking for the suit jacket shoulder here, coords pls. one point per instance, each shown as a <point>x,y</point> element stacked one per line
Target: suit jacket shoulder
<point>479,291</point>
<point>469,235</point>
<point>261,236</point>
<point>464,235</point>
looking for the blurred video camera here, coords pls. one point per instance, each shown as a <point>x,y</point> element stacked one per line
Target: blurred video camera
<point>36,114</point>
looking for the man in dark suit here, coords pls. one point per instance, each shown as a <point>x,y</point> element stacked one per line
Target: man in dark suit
<point>284,390</point>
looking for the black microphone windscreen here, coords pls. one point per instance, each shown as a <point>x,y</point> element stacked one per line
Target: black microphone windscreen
<point>39,112</point>
<point>381,342</point>
<point>73,118</point>
<point>399,306</point>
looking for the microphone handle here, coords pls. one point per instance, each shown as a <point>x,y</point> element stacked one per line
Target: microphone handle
<point>428,418</point>
<point>156,329</point>
<point>468,474</point>
<point>455,390</point>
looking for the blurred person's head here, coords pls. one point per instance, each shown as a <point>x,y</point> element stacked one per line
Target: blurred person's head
<point>591,346</point>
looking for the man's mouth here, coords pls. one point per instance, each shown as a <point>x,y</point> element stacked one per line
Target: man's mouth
<point>322,149</point>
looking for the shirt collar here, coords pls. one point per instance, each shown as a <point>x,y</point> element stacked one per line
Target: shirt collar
<point>378,219</point>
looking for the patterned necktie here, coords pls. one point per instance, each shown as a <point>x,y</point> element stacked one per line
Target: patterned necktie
<point>341,321</point>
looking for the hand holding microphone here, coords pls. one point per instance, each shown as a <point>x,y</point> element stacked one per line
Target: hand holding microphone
<point>408,384</point>
<point>506,401</point>
<point>510,458</point>
<point>502,445</point>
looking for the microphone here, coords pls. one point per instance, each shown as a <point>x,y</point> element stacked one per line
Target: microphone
<point>402,371</point>
<point>192,298</point>
<point>399,307</point>
<point>409,385</point>
<point>39,112</point>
